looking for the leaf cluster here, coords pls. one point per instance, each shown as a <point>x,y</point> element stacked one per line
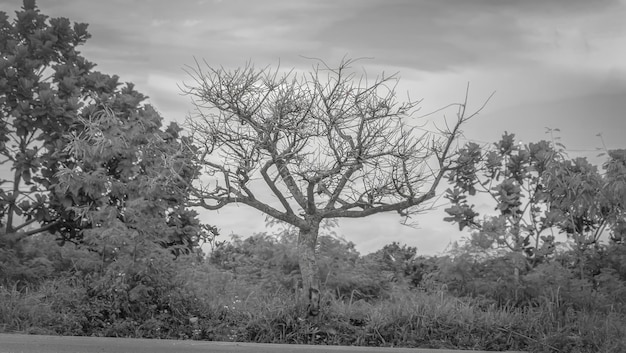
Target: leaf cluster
<point>45,86</point>
<point>536,190</point>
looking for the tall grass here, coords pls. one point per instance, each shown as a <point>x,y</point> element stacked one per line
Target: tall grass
<point>47,309</point>
<point>215,305</point>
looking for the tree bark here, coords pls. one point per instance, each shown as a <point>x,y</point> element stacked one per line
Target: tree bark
<point>307,239</point>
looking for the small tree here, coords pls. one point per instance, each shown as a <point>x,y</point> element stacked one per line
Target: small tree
<point>513,177</point>
<point>587,203</point>
<point>536,190</point>
<point>325,144</point>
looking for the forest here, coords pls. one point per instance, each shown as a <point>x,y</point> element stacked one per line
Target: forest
<point>100,233</point>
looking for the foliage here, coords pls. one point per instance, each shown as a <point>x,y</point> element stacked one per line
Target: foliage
<point>45,85</point>
<point>271,262</point>
<point>145,300</point>
<point>512,176</point>
<point>580,200</point>
<point>476,304</point>
<point>25,262</point>
<point>495,279</point>
<point>400,263</point>
<point>125,181</point>
<point>403,319</point>
<point>263,259</point>
<point>536,192</point>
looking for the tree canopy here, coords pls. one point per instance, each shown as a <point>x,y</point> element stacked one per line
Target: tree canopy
<point>85,152</point>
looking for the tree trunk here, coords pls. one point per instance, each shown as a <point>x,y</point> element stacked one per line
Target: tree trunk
<point>307,239</point>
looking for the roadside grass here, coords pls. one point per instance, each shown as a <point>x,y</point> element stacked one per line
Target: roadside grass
<point>46,309</point>
<point>215,305</point>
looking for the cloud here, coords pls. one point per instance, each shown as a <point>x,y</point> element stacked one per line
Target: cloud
<point>418,34</point>
<point>431,36</point>
<point>156,22</point>
<point>191,23</point>
<point>452,35</point>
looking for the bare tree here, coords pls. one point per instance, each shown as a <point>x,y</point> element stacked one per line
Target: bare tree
<point>324,144</point>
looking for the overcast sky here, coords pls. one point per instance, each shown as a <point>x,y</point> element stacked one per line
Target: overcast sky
<point>553,63</point>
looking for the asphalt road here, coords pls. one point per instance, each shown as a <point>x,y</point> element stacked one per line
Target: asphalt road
<point>14,343</point>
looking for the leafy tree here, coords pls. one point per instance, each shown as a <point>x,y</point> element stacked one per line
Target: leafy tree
<point>588,203</point>
<point>266,259</point>
<point>125,184</point>
<point>513,177</point>
<point>45,85</point>
<point>129,178</point>
<point>90,160</point>
<point>536,191</point>
<point>397,261</point>
<point>576,192</point>
<point>325,145</point>
<point>578,201</point>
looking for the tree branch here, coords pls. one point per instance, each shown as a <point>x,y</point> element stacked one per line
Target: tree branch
<point>274,188</point>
